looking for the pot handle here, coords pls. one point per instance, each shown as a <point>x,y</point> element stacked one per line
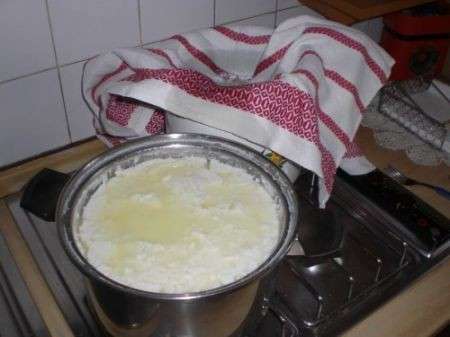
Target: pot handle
<point>41,193</point>
<point>289,328</point>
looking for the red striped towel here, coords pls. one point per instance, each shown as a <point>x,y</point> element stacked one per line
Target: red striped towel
<point>299,90</point>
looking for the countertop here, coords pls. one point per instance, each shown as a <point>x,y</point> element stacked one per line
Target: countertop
<point>437,175</point>
<point>351,11</point>
<point>424,307</point>
<point>420,310</point>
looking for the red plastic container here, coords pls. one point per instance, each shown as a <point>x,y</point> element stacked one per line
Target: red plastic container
<point>419,44</point>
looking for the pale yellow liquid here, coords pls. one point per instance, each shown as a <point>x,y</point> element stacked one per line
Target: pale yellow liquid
<point>178,204</point>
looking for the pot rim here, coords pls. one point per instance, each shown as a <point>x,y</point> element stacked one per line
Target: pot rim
<point>73,188</point>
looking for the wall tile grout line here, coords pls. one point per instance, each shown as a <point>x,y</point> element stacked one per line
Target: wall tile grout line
<point>214,13</point>
<point>43,71</point>
<point>74,62</point>
<point>146,44</point>
<point>295,6</point>
<point>276,14</point>
<point>58,71</point>
<point>102,40</point>
<point>92,57</point>
<point>140,22</point>
<point>141,42</point>
<point>26,75</point>
<point>248,18</point>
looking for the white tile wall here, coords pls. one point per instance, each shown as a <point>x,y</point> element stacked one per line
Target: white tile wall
<point>78,113</point>
<point>164,18</point>
<point>32,117</point>
<point>283,4</point>
<point>84,28</point>
<point>266,20</point>
<point>295,11</point>
<point>376,29</point>
<point>32,111</point>
<point>362,26</point>
<point>25,43</point>
<point>373,28</point>
<point>232,10</point>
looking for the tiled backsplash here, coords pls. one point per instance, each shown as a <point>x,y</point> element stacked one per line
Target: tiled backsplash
<point>44,44</point>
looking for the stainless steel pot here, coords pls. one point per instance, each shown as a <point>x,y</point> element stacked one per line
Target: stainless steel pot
<point>218,312</point>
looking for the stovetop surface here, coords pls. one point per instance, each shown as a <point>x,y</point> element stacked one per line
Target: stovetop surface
<point>377,258</point>
<point>19,317</point>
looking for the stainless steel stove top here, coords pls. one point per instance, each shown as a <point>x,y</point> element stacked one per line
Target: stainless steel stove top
<point>378,257</point>
<point>19,316</point>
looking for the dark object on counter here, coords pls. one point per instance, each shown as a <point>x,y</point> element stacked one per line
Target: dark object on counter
<point>429,9</point>
<point>418,40</point>
<point>41,193</point>
<point>404,180</point>
<point>426,227</point>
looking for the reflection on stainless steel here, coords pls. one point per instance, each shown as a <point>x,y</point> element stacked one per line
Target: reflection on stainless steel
<point>131,316</point>
<point>373,262</point>
<point>218,312</point>
<point>19,315</point>
<point>319,234</point>
<point>289,327</point>
<point>378,258</point>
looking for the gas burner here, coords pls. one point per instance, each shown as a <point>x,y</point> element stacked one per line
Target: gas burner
<point>358,254</point>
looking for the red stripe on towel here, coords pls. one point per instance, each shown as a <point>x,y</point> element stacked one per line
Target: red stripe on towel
<point>353,44</point>
<point>242,37</point>
<point>198,54</point>
<point>353,151</point>
<point>106,77</point>
<point>267,62</point>
<point>163,54</point>
<point>276,101</point>
<point>327,120</point>
<point>338,79</point>
<point>120,109</point>
<point>156,123</point>
<point>347,85</point>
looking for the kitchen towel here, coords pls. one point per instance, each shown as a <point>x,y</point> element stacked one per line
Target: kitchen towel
<point>299,90</point>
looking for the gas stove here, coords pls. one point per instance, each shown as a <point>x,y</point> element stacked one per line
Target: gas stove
<point>388,239</point>
<point>383,250</point>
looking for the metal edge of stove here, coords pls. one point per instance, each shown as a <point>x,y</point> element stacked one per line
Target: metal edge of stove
<point>63,279</point>
<point>400,229</point>
<point>344,195</point>
<point>339,320</point>
<point>378,220</point>
<point>19,316</point>
<point>366,206</point>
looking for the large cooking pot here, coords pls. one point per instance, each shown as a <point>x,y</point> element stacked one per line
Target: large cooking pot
<point>218,312</point>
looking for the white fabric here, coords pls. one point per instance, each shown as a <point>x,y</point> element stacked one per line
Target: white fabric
<point>299,59</point>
